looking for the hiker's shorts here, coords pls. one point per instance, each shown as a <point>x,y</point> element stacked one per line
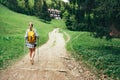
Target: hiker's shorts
<point>31,45</point>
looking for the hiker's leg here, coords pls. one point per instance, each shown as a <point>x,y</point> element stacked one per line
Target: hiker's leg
<point>30,49</point>
<point>33,53</point>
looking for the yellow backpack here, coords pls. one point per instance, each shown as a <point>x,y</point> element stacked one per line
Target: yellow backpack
<point>31,36</point>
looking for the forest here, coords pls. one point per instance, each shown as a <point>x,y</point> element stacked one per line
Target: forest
<point>101,17</point>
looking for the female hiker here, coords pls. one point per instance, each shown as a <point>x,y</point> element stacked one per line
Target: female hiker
<point>31,37</point>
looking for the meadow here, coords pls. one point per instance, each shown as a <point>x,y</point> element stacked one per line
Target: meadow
<point>12,30</point>
<point>100,55</point>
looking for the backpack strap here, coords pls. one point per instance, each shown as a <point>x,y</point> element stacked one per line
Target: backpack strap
<point>30,30</point>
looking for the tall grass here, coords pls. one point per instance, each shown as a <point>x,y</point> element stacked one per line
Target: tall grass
<point>99,54</point>
<point>12,30</point>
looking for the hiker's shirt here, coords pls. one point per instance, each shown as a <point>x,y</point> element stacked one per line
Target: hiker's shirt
<point>30,45</point>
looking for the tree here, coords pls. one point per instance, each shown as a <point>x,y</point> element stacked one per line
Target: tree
<point>107,14</point>
<point>37,7</point>
<point>77,8</point>
<point>89,6</point>
<point>27,8</point>
<point>97,16</point>
<point>44,12</point>
<point>12,4</point>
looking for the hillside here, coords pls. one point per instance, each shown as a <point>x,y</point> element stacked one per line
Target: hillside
<point>12,30</point>
<point>100,55</point>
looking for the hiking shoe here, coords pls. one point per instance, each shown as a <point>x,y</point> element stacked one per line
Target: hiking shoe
<point>32,62</point>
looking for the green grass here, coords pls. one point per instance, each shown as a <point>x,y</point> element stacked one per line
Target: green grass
<point>12,30</point>
<point>99,54</point>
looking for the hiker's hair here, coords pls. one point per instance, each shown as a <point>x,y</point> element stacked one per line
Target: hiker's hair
<point>31,24</point>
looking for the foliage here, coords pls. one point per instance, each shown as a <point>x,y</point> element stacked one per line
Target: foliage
<point>44,12</point>
<point>29,7</point>
<point>41,10</point>
<point>11,3</point>
<point>100,55</point>
<point>105,14</point>
<point>37,7</point>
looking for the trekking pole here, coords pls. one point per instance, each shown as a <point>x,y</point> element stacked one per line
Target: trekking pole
<point>24,46</point>
<point>38,50</point>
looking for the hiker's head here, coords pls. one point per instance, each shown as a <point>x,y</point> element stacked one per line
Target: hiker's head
<point>30,25</point>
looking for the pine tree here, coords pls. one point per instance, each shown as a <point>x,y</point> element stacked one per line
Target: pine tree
<point>37,7</point>
<point>44,12</point>
<point>27,8</point>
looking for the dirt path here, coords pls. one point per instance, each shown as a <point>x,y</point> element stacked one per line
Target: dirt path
<point>53,63</point>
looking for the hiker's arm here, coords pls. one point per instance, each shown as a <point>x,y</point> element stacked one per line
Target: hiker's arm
<point>36,34</point>
<point>26,35</point>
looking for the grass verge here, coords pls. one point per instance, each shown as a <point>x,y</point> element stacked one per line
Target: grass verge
<point>99,54</point>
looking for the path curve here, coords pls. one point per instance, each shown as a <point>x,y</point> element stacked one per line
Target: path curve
<point>53,63</point>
